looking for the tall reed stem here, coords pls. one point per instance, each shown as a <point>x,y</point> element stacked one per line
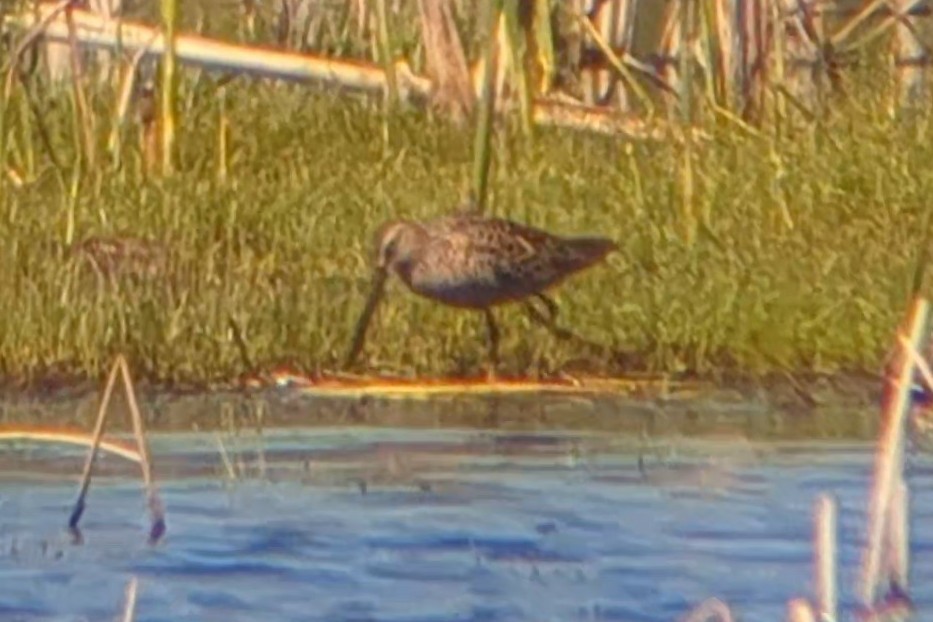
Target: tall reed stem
<point>483,140</point>
<point>169,84</point>
<point>686,65</point>
<point>385,54</point>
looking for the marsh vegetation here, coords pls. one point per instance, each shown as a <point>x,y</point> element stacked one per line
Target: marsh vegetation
<point>791,245</point>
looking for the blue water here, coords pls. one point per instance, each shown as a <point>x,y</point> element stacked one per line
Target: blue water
<point>453,526</point>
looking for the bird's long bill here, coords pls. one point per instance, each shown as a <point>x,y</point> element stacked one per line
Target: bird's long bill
<point>375,296</point>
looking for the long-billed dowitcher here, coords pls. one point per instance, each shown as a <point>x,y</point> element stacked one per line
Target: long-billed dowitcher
<point>468,261</point>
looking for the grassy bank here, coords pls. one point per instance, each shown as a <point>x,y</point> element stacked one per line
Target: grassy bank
<point>793,251</point>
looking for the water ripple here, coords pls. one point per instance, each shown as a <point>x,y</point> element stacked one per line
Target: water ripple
<point>510,530</point>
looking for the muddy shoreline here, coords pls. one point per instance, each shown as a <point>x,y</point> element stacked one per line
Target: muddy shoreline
<point>843,406</point>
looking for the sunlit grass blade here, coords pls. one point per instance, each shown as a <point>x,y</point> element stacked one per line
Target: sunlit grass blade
<point>169,85</point>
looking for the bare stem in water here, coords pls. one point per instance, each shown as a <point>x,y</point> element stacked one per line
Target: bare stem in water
<point>155,506</point>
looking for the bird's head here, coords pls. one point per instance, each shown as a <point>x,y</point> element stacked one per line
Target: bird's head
<point>397,243</point>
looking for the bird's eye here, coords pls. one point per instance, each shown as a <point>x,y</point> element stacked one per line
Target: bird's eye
<point>390,248</point>
<point>387,252</point>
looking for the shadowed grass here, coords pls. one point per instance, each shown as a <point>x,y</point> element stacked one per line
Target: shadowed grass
<point>804,257</point>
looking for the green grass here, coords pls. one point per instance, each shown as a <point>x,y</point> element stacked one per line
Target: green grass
<point>805,247</point>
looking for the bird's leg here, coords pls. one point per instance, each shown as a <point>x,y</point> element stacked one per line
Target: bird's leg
<point>567,335</point>
<point>548,321</point>
<point>493,335</point>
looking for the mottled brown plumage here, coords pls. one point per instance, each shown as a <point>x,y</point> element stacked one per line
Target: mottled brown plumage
<point>467,261</point>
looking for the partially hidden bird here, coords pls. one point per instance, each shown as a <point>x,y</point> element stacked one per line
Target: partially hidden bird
<point>474,262</point>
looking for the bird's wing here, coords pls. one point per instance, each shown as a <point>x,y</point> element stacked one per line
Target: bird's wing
<point>514,252</point>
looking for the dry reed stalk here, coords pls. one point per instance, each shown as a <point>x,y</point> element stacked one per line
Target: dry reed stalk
<point>502,93</point>
<point>261,464</point>
<point>57,61</point>
<point>386,54</point>
<point>670,49</point>
<point>169,86</point>
<point>806,75</point>
<point>621,66</point>
<point>604,121</point>
<point>623,37</point>
<point>498,56</point>
<point>523,58</point>
<point>916,359</point>
<point>777,69</point>
<point>451,88</point>
<point>482,145</point>
<point>150,136</point>
<point>248,17</point>
<point>213,53</point>
<point>71,207</point>
<point>299,24</point>
<point>23,152</point>
<point>825,562</point>
<point>825,558</point>
<point>517,69</point>
<point>897,564</point>
<point>731,70</point>
<point>669,43</point>
<point>203,51</point>
<point>360,12</point>
<point>709,609</point>
<point>897,545</point>
<point>687,18</point>
<point>156,511</point>
<point>689,220</point>
<point>38,27</point>
<point>863,14</point>
<point>543,46</point>
<point>129,608</point>
<point>31,36</point>
<point>614,20</point>
<point>889,457</point>
<point>63,59</point>
<point>225,458</point>
<point>800,610</point>
<point>15,178</point>
<point>108,10</point>
<point>742,51</point>
<point>223,133</point>
<point>844,36</point>
<point>703,49</point>
<point>84,119</point>
<point>285,23</point>
<point>127,86</point>
<point>78,509</point>
<point>58,56</point>
<point>911,56</point>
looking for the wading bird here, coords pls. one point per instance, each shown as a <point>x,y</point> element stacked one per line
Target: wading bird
<point>465,260</point>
